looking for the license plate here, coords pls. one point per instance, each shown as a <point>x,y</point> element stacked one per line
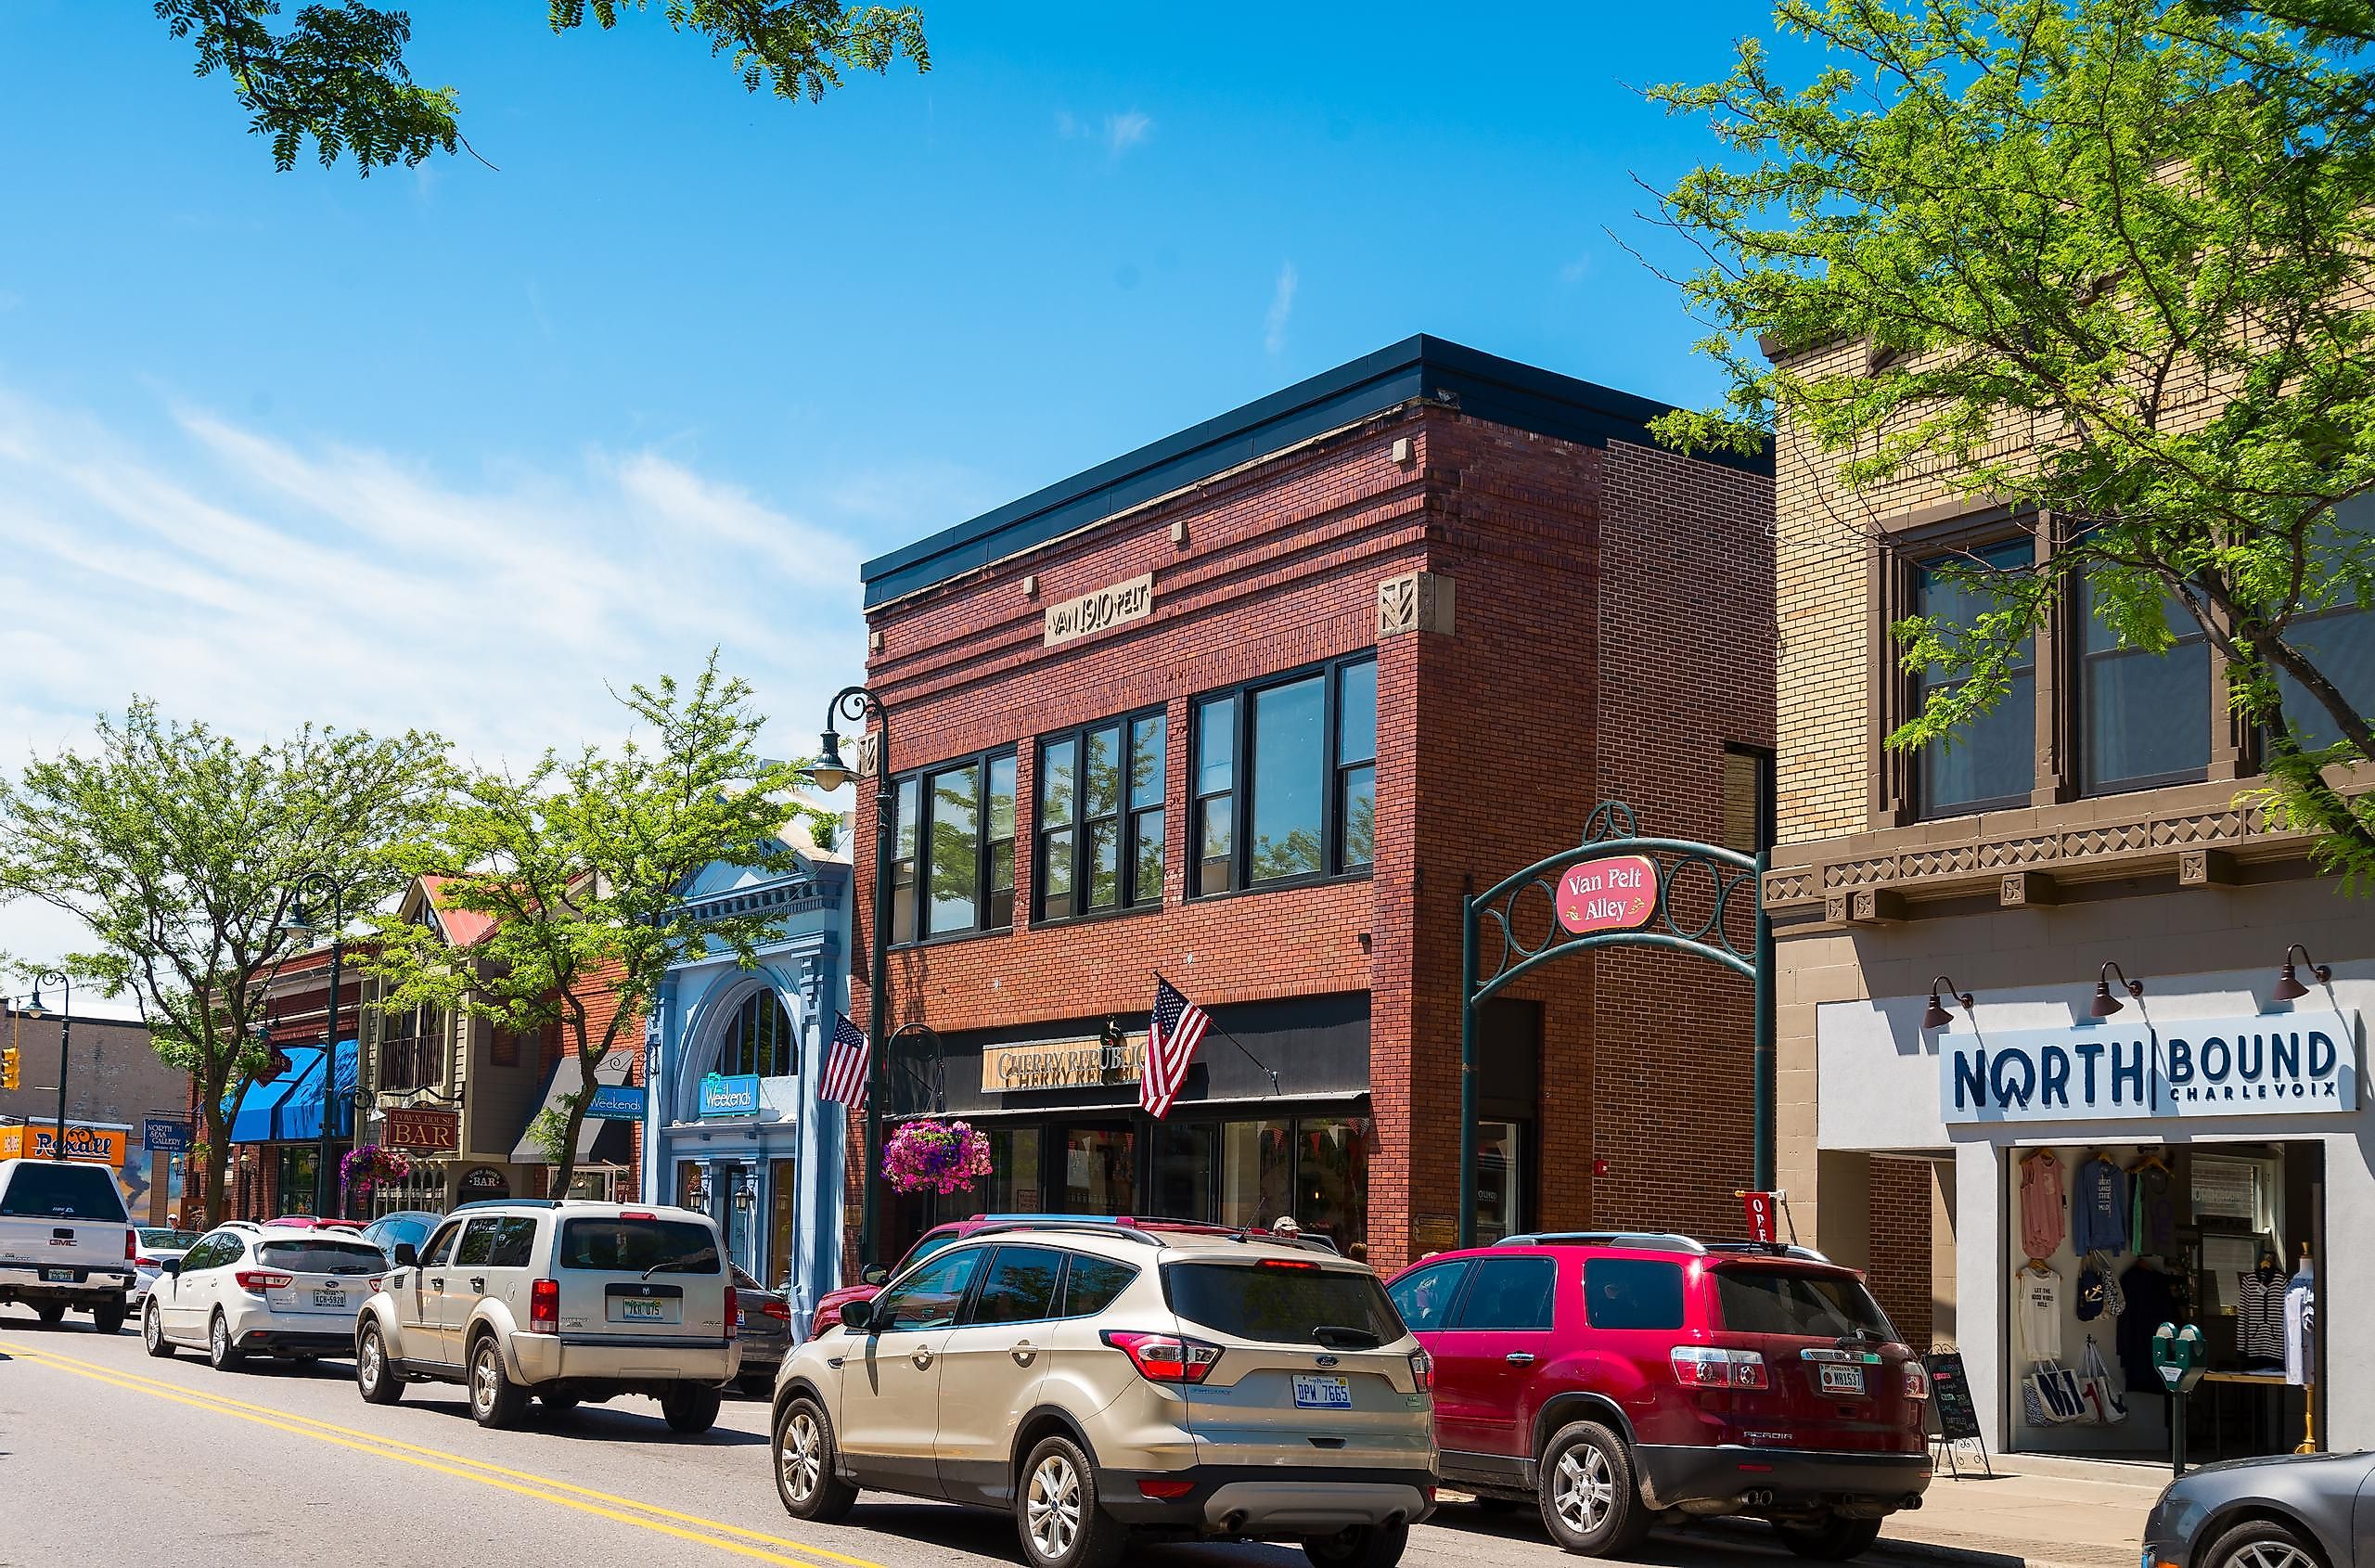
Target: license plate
<point>1323,1393</point>
<point>60,1276</point>
<point>639,1309</point>
<point>329,1298</point>
<point>1842,1380</point>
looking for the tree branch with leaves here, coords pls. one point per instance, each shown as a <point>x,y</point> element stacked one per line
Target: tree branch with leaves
<point>2102,263</point>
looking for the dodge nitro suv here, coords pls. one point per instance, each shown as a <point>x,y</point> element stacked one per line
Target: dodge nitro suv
<point>1614,1379</point>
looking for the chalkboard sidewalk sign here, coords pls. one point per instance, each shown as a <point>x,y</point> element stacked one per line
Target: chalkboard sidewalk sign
<point>1950,1401</point>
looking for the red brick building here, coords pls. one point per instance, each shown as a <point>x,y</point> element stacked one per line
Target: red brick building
<point>1251,708</point>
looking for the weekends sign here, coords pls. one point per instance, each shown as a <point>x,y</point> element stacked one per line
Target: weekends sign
<point>2277,1064</point>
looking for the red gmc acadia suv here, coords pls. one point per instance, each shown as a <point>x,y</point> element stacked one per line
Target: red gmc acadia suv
<point>1617,1378</point>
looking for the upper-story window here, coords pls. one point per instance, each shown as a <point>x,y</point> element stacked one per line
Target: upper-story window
<point>759,1039</point>
<point>952,857</point>
<point>2144,718</point>
<point>1285,781</point>
<point>2341,643</point>
<point>1100,820</point>
<point>1991,761</point>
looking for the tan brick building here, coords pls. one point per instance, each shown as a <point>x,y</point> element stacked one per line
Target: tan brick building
<point>1249,708</point>
<point>2097,816</point>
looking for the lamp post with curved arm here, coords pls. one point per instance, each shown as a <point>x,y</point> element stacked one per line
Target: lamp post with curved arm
<point>65,1035</point>
<point>857,703</point>
<point>296,925</point>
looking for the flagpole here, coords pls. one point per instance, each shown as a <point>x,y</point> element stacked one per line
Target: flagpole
<point>1213,1026</point>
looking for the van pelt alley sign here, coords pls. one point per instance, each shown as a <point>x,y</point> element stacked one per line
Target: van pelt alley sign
<point>2275,1064</point>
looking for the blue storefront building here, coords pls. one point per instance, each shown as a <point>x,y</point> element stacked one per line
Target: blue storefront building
<point>733,1061</point>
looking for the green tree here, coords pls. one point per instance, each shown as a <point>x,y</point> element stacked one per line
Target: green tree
<point>581,863</point>
<point>179,849</point>
<point>2103,261</point>
<point>335,73</point>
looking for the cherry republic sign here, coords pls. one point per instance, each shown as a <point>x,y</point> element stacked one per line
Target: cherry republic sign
<point>1617,893</point>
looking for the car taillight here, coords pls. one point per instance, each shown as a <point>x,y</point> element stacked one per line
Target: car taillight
<point>543,1307</point>
<point>779,1311</point>
<point>636,1214</point>
<point>1916,1380</point>
<point>1423,1371</point>
<point>143,1263</point>
<point>1699,1366</point>
<point>1164,1491</point>
<point>1165,1357</point>
<point>1285,1263</point>
<point>732,1314</point>
<point>373,1283</point>
<point>259,1282</point>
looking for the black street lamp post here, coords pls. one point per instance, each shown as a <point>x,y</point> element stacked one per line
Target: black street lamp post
<point>297,926</point>
<point>65,1038</point>
<point>855,703</point>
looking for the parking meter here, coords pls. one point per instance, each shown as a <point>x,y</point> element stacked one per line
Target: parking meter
<point>2182,1359</point>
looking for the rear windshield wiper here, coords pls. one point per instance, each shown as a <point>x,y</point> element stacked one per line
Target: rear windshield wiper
<point>1338,1337</point>
<point>672,1264</point>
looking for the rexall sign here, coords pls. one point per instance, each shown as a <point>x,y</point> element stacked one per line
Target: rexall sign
<point>2280,1064</point>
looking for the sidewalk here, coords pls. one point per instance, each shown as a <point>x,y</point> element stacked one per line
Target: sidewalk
<point>2040,1512</point>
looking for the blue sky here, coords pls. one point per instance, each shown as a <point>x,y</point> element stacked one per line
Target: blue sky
<point>452,447</point>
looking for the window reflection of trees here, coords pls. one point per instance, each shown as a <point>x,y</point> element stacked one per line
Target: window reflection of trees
<point>759,1039</point>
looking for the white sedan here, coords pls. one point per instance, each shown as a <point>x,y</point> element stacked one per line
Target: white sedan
<point>272,1291</point>
<point>156,1244</point>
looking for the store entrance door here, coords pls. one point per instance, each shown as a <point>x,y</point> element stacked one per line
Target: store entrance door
<point>1096,1169</point>
<point>730,1206</point>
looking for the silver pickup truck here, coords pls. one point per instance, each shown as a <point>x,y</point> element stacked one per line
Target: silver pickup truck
<point>66,1244</point>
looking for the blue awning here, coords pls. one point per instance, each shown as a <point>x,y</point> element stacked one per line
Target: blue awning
<point>289,1108</point>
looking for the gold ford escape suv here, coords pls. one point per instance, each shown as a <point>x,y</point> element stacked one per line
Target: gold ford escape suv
<point>564,1299</point>
<point>1098,1381</point>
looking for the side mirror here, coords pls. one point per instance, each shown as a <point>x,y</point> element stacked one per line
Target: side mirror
<point>874,1274</point>
<point>858,1316</point>
<point>169,1267</point>
<point>407,1256</point>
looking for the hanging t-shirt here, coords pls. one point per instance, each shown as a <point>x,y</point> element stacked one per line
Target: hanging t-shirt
<point>2036,1295</point>
<point>2152,1211</point>
<point>2041,1204</point>
<point>2099,1209</point>
<point>2301,1329</point>
<point>2259,1318</point>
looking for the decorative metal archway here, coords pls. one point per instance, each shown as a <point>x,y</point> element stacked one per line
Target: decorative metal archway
<point>1715,882</point>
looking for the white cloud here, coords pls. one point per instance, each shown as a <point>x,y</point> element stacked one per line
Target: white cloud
<point>257,583</point>
<point>1123,132</point>
<point>1282,304</point>
<point>1578,270</point>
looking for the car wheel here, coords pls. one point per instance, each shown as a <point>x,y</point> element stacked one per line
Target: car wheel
<point>152,1333</point>
<point>51,1314</point>
<point>690,1408</point>
<point>1363,1546</point>
<point>2260,1544</point>
<point>378,1380</point>
<point>1590,1503</point>
<point>1836,1539</point>
<point>1056,1514</point>
<point>495,1400</point>
<point>804,1461</point>
<point>107,1319</point>
<point>220,1353</point>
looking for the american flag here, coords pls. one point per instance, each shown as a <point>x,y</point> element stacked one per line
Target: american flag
<point>1177,1029</point>
<point>845,1063</point>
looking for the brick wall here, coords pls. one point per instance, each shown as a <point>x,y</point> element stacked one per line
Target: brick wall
<point>1899,1273</point>
<point>1602,598</point>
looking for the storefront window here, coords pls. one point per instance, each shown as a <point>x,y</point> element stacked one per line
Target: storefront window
<point>1099,1170</point>
<point>688,1184</point>
<point>1014,1171</point>
<point>1183,1164</point>
<point>1500,1165</point>
<point>1257,1167</point>
<point>1332,1180</point>
<point>781,1191</point>
<point>294,1192</point>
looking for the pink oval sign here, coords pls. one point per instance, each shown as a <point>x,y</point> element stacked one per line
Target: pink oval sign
<point>1617,893</point>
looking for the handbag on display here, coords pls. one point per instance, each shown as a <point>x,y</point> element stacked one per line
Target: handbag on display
<point>2050,1395</point>
<point>2106,1403</point>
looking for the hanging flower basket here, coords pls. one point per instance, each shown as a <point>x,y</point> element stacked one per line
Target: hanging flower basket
<point>368,1165</point>
<point>935,1157</point>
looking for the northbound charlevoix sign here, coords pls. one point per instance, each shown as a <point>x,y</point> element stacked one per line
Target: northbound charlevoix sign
<point>2280,1064</point>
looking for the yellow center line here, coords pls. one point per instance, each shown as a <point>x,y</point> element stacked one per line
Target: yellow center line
<point>525,1482</point>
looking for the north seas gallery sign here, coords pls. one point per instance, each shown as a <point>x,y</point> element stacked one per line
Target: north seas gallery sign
<point>2271,1064</point>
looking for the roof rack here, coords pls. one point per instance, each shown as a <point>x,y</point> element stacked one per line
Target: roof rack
<point>506,1203</point>
<point>1643,1240</point>
<point>1074,1224</point>
<point>1768,1248</point>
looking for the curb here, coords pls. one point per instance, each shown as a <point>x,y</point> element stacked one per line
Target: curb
<point>1901,1549</point>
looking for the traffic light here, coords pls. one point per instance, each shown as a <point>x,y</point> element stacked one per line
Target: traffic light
<point>8,1068</point>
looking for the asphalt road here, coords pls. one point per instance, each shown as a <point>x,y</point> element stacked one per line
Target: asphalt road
<point>106,1455</point>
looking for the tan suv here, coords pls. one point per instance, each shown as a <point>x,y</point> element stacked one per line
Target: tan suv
<point>1098,1381</point>
<point>563,1299</point>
